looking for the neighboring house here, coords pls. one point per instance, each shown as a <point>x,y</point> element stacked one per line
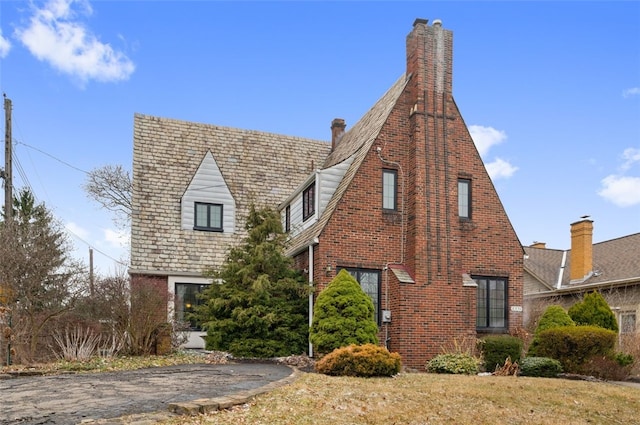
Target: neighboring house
<point>401,200</point>
<point>563,277</point>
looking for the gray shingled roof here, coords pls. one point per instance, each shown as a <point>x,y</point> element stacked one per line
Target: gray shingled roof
<point>616,261</point>
<point>356,141</point>
<point>258,167</point>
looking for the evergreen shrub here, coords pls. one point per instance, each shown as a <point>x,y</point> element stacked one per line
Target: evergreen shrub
<point>497,348</point>
<point>543,367</point>
<point>360,360</point>
<point>554,316</point>
<point>593,310</point>
<point>575,345</point>
<point>342,316</point>
<point>454,363</point>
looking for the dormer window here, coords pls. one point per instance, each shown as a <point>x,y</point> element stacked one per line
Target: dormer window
<point>208,217</point>
<point>309,201</point>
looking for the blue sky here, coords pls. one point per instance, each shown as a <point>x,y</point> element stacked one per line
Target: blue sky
<point>549,90</point>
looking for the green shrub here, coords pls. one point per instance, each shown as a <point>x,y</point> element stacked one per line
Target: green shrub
<point>593,310</point>
<point>342,315</point>
<point>624,359</point>
<point>554,316</point>
<point>497,348</point>
<point>574,345</point>
<point>360,360</point>
<point>455,363</point>
<point>543,367</point>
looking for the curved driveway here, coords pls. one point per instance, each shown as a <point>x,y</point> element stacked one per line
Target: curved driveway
<point>75,398</point>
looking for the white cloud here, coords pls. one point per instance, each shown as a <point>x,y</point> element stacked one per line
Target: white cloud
<point>54,35</point>
<point>500,168</point>
<point>116,238</point>
<point>630,156</point>
<point>634,91</point>
<point>485,138</point>
<point>623,191</point>
<point>76,230</point>
<point>5,46</point>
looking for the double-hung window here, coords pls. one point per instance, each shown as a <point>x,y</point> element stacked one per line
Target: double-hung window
<point>309,201</point>
<point>208,217</point>
<point>389,190</point>
<point>369,281</point>
<point>491,304</point>
<point>628,322</point>
<point>464,198</point>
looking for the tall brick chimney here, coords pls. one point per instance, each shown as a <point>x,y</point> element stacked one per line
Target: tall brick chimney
<point>337,130</point>
<point>581,248</point>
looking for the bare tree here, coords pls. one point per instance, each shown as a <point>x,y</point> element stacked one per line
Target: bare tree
<point>111,187</point>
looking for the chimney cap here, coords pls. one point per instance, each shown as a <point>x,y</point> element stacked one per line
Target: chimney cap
<point>437,22</point>
<point>420,21</point>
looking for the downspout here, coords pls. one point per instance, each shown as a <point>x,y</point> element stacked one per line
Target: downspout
<point>562,266</point>
<point>310,295</point>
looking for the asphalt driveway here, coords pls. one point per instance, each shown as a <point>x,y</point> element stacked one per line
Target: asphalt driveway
<point>75,398</point>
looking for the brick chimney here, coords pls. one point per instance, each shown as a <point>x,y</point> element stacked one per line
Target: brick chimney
<point>581,249</point>
<point>337,130</point>
<point>537,244</point>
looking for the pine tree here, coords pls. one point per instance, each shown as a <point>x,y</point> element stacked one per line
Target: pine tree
<point>343,315</point>
<point>259,308</point>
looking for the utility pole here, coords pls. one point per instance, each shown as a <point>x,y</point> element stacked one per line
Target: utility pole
<point>91,283</point>
<point>8,167</point>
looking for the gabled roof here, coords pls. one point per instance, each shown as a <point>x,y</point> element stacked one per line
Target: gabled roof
<point>355,142</point>
<point>615,262</point>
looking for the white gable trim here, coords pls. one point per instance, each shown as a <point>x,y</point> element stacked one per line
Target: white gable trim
<point>208,185</point>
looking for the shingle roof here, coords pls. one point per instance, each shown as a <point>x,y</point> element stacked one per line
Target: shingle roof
<point>614,261</point>
<point>258,167</point>
<point>356,141</point>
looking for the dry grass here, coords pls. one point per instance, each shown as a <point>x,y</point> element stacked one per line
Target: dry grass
<point>434,399</point>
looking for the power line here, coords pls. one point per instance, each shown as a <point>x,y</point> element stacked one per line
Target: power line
<point>53,157</point>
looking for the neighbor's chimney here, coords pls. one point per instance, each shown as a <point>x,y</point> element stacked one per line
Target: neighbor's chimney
<point>581,248</point>
<point>337,130</point>
<point>537,244</point>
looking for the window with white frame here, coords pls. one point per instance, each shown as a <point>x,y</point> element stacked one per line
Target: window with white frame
<point>627,322</point>
<point>208,217</point>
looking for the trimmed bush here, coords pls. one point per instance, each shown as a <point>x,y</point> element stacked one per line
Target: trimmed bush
<point>360,360</point>
<point>342,315</point>
<point>553,317</point>
<point>593,310</point>
<point>497,348</point>
<point>574,345</point>
<point>454,363</point>
<point>542,367</point>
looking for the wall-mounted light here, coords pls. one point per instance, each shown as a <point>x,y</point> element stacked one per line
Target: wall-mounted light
<point>328,271</point>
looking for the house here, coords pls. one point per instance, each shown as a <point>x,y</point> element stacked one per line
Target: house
<point>563,277</point>
<point>401,200</point>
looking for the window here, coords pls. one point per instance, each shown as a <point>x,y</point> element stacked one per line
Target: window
<point>492,303</point>
<point>186,301</point>
<point>627,322</point>
<point>287,219</point>
<point>464,198</point>
<point>309,201</point>
<point>208,217</point>
<point>389,190</point>
<point>369,281</point>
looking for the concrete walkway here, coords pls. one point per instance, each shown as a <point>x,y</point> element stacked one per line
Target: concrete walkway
<point>137,397</point>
